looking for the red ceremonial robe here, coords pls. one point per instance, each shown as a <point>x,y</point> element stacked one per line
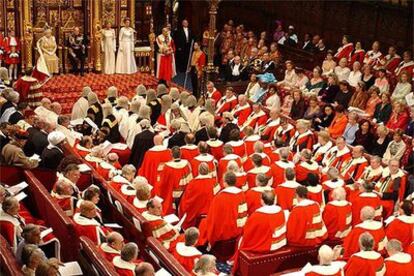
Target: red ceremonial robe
<point>353,169</point>
<point>124,268</point>
<point>305,226</point>
<point>226,217</point>
<point>215,95</point>
<point>357,55</point>
<point>107,170</point>
<point>140,205</point>
<point>319,151</point>
<point>241,113</point>
<point>278,171</point>
<point>82,151</point>
<point>402,229</point>
<point>153,163</point>
<point>336,158</point>
<point>26,86</point>
<point>390,63</point>
<point>254,198</point>
<point>315,193</point>
<point>255,120</point>
<point>400,264</point>
<point>222,164</point>
<point>226,104</point>
<point>284,134</point>
<point>173,180</point>
<point>337,216</point>
<point>238,147</point>
<point>90,228</point>
<point>66,202</point>
<point>108,252</point>
<point>304,168</point>
<point>373,58</point>
<point>285,194</point>
<point>265,231</point>
<point>161,230</point>
<point>249,142</point>
<point>251,175</point>
<point>216,148</point>
<point>351,242</point>
<point>11,228</point>
<point>187,256</point>
<point>188,152</point>
<point>241,181</point>
<point>269,129</point>
<point>206,158</point>
<point>365,263</point>
<point>197,198</point>
<point>275,155</point>
<point>344,51</point>
<point>365,199</point>
<point>302,141</point>
<point>248,163</point>
<point>405,67</point>
<point>371,175</point>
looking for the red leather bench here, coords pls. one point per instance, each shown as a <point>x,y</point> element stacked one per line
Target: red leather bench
<point>51,212</point>
<point>8,263</point>
<point>91,261</point>
<point>161,257</point>
<point>280,260</point>
<point>11,175</point>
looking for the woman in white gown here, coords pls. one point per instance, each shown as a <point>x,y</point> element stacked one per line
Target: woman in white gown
<point>125,62</point>
<point>108,44</point>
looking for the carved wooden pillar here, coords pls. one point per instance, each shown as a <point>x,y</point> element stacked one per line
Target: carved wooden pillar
<point>27,34</point>
<point>131,9</point>
<point>96,33</point>
<point>211,32</point>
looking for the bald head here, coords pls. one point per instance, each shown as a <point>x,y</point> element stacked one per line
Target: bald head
<point>158,139</point>
<point>326,255</point>
<point>115,240</point>
<point>367,213</point>
<point>144,269</point>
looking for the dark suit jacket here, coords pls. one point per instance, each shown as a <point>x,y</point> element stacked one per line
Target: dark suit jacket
<point>51,158</point>
<point>229,70</point>
<point>268,67</point>
<point>3,141</point>
<point>225,132</point>
<point>201,135</point>
<point>176,140</point>
<point>36,142</point>
<point>143,141</point>
<point>15,117</point>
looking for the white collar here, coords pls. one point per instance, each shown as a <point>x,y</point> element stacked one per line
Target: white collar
<point>231,190</point>
<point>189,147</point>
<point>119,263</point>
<point>261,169</point>
<point>120,179</point>
<point>401,257</point>
<point>158,148</point>
<point>81,220</point>
<point>235,143</point>
<point>177,165</point>
<point>292,184</point>
<point>339,203</point>
<point>261,189</point>
<point>230,156</point>
<point>305,202</point>
<point>107,249</point>
<point>187,251</point>
<point>204,157</point>
<point>269,209</point>
<point>370,225</point>
<point>370,255</point>
<point>139,203</point>
<point>252,138</point>
<point>325,269</point>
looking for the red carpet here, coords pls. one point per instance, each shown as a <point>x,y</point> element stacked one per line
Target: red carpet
<point>66,89</point>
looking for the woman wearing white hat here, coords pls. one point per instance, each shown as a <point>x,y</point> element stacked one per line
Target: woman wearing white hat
<point>53,153</point>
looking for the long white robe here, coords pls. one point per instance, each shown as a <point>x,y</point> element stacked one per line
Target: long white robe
<point>108,44</point>
<point>125,62</point>
<point>80,109</point>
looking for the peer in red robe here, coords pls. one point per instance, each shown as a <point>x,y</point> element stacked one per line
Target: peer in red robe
<point>286,192</point>
<point>252,174</point>
<point>165,57</point>
<point>90,228</point>
<point>345,50</point>
<point>284,132</point>
<point>279,167</point>
<point>390,61</point>
<point>238,147</point>
<point>197,198</point>
<point>227,103</point>
<point>249,142</point>
<point>248,163</point>
<point>306,166</point>
<point>407,65</point>
<point>356,55</point>
<point>305,226</point>
<point>265,229</point>
<point>242,112</point>
<point>337,155</point>
<point>174,178</point>
<point>402,226</point>
<point>366,198</point>
<point>354,167</point>
<point>373,227</point>
<point>185,252</point>
<point>213,93</point>
<point>160,229</point>
<point>256,119</point>
<point>400,264</point>
<point>189,151</point>
<point>267,131</point>
<point>302,139</point>
<point>254,195</point>
<point>125,268</point>
<point>216,148</point>
<point>337,215</point>
<point>223,162</point>
<point>365,263</point>
<point>326,266</point>
<point>203,158</point>
<point>154,161</point>
<point>112,248</point>
<point>227,214</point>
<point>27,86</point>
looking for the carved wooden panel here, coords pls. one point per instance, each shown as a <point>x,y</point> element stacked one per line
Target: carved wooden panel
<point>109,11</point>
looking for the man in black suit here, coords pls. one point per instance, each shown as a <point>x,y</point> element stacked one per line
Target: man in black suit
<point>268,65</point>
<point>227,127</point>
<point>37,140</point>
<point>182,39</point>
<point>235,70</point>
<point>143,141</point>
<point>178,137</point>
<point>4,134</point>
<point>18,114</point>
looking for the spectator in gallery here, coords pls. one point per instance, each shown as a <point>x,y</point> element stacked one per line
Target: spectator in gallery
<point>372,101</point>
<point>383,110</point>
<point>329,64</point>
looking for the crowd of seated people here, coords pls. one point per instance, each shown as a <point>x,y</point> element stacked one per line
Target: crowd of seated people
<point>327,154</point>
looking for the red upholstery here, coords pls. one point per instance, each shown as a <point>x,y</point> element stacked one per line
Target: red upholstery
<point>51,212</point>
<point>11,175</point>
<point>8,263</point>
<point>164,258</point>
<point>283,259</point>
<point>93,261</point>
<point>46,177</point>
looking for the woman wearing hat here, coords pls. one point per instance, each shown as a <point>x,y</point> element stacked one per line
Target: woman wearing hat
<point>53,153</point>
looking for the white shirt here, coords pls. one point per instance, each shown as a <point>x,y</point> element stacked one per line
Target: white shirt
<point>236,71</point>
<point>186,33</point>
<point>354,78</point>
